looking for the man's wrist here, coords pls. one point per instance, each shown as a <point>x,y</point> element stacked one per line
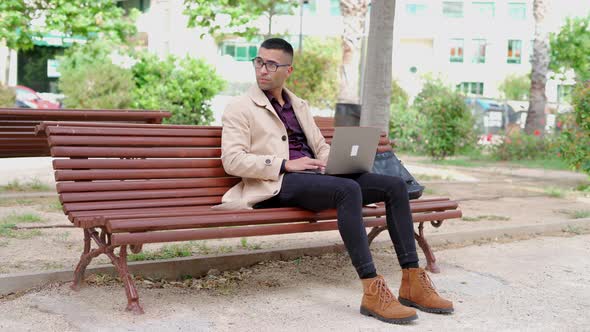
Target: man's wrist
<point>283,168</point>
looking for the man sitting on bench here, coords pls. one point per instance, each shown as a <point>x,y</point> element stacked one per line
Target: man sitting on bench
<point>269,134</point>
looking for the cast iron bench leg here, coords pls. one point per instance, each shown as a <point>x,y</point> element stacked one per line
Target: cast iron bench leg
<point>430,259</point>
<point>121,264</point>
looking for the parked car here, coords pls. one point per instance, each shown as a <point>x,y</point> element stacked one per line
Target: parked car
<point>29,98</point>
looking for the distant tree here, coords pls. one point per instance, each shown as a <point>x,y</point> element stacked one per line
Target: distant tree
<point>90,19</point>
<point>516,87</point>
<point>235,17</point>
<point>535,121</point>
<point>569,48</point>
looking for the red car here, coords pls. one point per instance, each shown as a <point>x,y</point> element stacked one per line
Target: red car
<point>28,98</point>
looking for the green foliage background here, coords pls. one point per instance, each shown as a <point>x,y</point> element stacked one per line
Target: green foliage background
<point>315,74</point>
<point>516,87</point>
<point>575,137</point>
<point>447,124</point>
<point>182,86</point>
<point>7,96</point>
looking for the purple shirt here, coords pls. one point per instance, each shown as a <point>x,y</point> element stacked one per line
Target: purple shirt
<point>298,147</point>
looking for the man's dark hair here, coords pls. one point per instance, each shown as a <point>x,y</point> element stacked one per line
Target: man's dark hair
<point>278,44</point>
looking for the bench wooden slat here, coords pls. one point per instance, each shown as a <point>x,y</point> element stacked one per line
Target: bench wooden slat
<point>143,203</point>
<point>120,141</point>
<point>261,216</point>
<point>126,131</point>
<point>129,174</point>
<point>64,187</point>
<point>104,152</point>
<point>140,194</point>
<point>46,125</point>
<point>230,232</point>
<point>135,163</point>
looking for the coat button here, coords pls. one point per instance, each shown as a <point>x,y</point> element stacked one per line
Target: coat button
<point>284,138</point>
<point>267,161</point>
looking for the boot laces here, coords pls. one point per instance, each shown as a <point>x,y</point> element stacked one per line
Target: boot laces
<point>385,295</point>
<point>426,282</point>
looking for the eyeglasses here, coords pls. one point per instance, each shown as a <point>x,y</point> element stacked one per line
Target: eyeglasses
<point>270,66</point>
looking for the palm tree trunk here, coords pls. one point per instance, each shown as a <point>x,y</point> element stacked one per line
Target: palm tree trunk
<point>376,99</point>
<point>535,122</point>
<point>353,13</point>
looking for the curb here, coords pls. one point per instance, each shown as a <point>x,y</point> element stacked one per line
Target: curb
<point>199,265</point>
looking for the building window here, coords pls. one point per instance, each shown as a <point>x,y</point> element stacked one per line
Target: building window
<point>514,51</point>
<point>335,7</point>
<point>479,51</point>
<point>517,10</point>
<point>453,9</point>
<point>142,5</point>
<point>416,9</point>
<point>564,93</point>
<point>474,88</point>
<point>484,9</point>
<point>456,48</point>
<point>239,51</point>
<point>310,7</point>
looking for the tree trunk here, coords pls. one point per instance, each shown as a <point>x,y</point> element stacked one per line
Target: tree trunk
<point>376,99</point>
<point>535,122</point>
<point>353,14</point>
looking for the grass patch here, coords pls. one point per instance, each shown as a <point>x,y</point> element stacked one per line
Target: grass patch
<point>178,250</point>
<point>429,191</point>
<point>584,187</point>
<point>249,246</point>
<point>555,192</point>
<point>8,226</point>
<point>490,217</point>
<point>554,164</point>
<point>462,161</point>
<point>430,177</point>
<point>14,218</point>
<point>53,206</point>
<point>572,230</point>
<point>576,214</point>
<point>33,185</point>
<point>168,251</point>
<point>10,231</point>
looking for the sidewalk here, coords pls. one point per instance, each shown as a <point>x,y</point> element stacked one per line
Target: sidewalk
<point>500,206</point>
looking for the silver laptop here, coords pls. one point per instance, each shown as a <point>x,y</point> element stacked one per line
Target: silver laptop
<point>352,151</point>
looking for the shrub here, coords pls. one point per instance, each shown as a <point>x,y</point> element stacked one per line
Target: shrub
<point>100,85</point>
<point>521,146</point>
<point>315,77</point>
<point>182,86</point>
<point>575,136</point>
<point>447,125</point>
<point>516,87</point>
<point>404,123</point>
<point>7,96</point>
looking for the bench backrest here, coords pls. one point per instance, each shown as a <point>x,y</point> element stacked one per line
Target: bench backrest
<point>17,126</point>
<point>133,166</point>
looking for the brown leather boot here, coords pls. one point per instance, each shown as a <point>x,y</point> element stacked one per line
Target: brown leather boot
<point>379,302</point>
<point>417,290</point>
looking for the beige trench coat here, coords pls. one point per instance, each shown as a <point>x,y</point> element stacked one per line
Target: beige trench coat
<point>253,148</point>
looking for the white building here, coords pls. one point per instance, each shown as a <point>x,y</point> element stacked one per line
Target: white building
<point>473,45</point>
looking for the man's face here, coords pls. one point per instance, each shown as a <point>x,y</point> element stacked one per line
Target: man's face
<point>268,80</point>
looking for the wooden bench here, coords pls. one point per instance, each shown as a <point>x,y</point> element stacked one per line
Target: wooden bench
<point>130,184</point>
<point>17,126</point>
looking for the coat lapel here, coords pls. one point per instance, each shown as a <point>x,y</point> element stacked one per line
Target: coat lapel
<point>259,99</point>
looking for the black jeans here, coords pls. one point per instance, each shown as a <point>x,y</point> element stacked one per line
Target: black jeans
<point>348,194</point>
